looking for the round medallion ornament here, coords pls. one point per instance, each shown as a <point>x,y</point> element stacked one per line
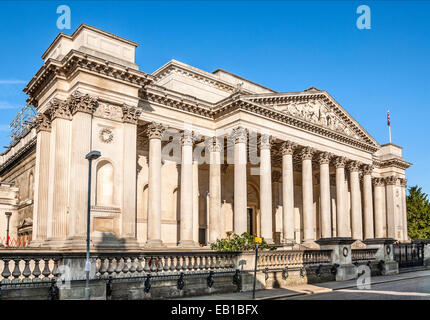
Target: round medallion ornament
<point>106,135</point>
<point>345,251</point>
<point>388,249</point>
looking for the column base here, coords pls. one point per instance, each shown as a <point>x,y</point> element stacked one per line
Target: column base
<point>188,244</point>
<point>154,244</point>
<point>346,272</point>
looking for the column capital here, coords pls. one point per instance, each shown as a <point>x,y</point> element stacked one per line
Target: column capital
<point>367,169</point>
<point>78,102</point>
<point>187,138</point>
<point>339,162</point>
<point>155,130</point>
<point>42,122</point>
<point>391,180</point>
<point>59,109</point>
<point>324,157</point>
<point>354,166</point>
<point>403,181</point>
<point>287,147</point>
<point>240,135</point>
<point>378,182</point>
<point>306,153</point>
<point>130,114</point>
<point>265,141</point>
<point>214,145</point>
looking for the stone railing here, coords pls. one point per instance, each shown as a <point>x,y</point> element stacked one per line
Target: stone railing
<point>28,266</point>
<point>363,255</point>
<point>139,264</point>
<point>293,258</point>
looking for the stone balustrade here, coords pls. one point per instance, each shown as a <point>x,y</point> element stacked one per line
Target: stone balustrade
<point>363,255</point>
<point>293,258</point>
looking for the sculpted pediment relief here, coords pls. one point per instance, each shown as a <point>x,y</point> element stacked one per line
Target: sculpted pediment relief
<point>317,112</point>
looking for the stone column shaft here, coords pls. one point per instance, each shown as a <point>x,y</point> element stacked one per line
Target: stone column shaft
<point>380,222</point>
<point>356,214</point>
<point>186,222</point>
<point>288,192</point>
<point>214,192</point>
<point>368,203</point>
<point>307,189</point>
<point>154,132</point>
<point>266,189</point>
<point>325,205</point>
<point>196,196</point>
<point>342,224</point>
<point>404,209</point>
<point>240,193</point>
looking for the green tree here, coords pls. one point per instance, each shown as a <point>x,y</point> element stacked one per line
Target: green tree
<point>418,207</point>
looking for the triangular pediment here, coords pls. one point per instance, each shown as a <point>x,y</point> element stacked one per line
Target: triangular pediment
<point>317,107</point>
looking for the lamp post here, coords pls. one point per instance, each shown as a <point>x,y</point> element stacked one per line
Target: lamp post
<point>93,155</point>
<point>8,214</point>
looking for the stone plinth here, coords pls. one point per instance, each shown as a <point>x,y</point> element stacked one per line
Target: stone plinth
<point>385,253</point>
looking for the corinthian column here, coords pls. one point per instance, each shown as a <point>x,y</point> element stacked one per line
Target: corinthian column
<point>240,195</point>
<point>266,188</point>
<point>368,202</point>
<point>342,224</point>
<point>380,220</point>
<point>154,132</point>
<point>356,220</point>
<point>186,223</point>
<point>324,162</point>
<point>391,212</point>
<point>306,155</point>
<point>287,150</point>
<point>214,190</point>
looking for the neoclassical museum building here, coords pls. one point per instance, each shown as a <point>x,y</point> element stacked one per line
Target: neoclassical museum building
<point>188,156</point>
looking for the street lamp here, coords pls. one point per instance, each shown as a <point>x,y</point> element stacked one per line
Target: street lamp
<point>93,155</point>
<point>8,214</point>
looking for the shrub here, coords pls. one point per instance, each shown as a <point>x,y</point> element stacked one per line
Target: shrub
<point>244,242</point>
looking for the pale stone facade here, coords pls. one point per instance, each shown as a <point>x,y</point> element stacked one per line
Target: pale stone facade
<point>292,167</point>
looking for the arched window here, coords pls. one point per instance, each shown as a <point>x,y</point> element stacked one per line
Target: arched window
<point>104,184</point>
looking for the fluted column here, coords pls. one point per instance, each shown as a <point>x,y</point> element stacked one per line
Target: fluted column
<point>154,132</point>
<point>404,213</point>
<point>379,194</point>
<point>214,190</point>
<point>266,189</point>
<point>356,214</point>
<point>196,196</point>
<point>324,162</point>
<point>287,149</point>
<point>391,212</point>
<point>368,202</point>
<point>342,225</point>
<point>186,221</point>
<point>41,183</point>
<point>309,235</point>
<point>240,195</point>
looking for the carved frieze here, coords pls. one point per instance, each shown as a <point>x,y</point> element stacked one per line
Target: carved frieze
<point>108,111</point>
<point>106,135</point>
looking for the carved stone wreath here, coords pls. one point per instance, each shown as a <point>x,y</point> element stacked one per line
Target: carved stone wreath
<point>106,135</point>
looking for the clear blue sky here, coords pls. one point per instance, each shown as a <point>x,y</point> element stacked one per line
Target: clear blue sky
<point>285,45</point>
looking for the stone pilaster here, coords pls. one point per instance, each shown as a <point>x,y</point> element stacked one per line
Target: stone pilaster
<point>154,132</point>
<point>287,149</point>
<point>240,193</point>
<point>325,206</point>
<point>266,189</point>
<point>41,183</point>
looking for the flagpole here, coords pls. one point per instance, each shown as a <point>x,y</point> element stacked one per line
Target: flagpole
<point>389,130</point>
<point>389,124</point>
